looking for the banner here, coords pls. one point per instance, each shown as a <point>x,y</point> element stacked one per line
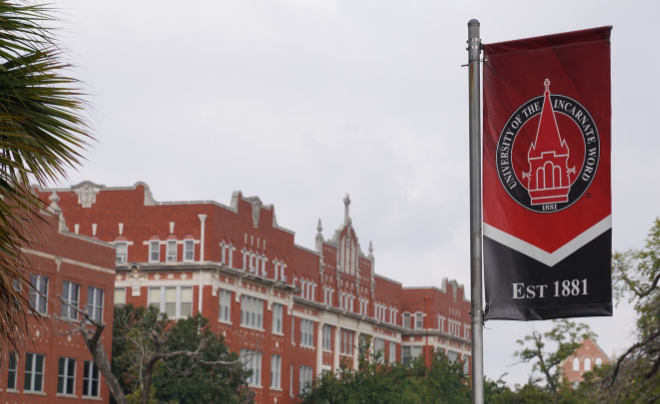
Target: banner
<point>547,205</point>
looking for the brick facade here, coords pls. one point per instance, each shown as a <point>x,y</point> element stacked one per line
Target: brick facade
<point>588,355</point>
<point>261,290</point>
<point>57,256</point>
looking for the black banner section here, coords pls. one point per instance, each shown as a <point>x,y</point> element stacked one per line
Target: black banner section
<point>537,291</point>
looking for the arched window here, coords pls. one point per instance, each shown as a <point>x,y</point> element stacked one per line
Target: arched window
<point>576,364</point>
<point>587,364</point>
<point>599,361</point>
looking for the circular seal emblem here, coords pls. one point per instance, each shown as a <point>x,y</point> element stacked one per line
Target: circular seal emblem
<point>548,153</point>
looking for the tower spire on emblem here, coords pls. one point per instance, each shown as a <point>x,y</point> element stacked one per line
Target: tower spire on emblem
<point>548,179</point>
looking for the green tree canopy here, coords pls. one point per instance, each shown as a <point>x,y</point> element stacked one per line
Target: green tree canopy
<point>381,383</point>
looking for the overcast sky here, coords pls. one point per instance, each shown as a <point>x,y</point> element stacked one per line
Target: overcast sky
<point>302,101</point>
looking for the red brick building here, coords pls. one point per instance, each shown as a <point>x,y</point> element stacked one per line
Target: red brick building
<point>58,368</point>
<point>588,355</point>
<point>301,311</point>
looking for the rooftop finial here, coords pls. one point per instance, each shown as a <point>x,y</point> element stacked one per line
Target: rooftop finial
<point>54,198</point>
<point>371,247</point>
<point>319,227</point>
<point>347,202</point>
<point>547,85</point>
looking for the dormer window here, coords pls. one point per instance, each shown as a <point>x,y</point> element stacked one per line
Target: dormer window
<point>171,250</point>
<point>154,250</point>
<point>419,321</point>
<point>122,252</point>
<point>189,250</point>
<point>406,321</point>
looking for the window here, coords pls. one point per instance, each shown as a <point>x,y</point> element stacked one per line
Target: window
<point>576,364</point>
<point>95,303</point>
<point>599,361</point>
<point>291,380</point>
<point>587,364</point>
<point>406,321</point>
<point>11,371</point>
<point>122,251</point>
<point>305,378</point>
<point>410,353</point>
<point>306,333</point>
<point>293,330</point>
<point>276,372</point>
<point>452,356</point>
<point>91,380</point>
<point>66,376</point>
<point>278,311</point>
<point>189,250</point>
<point>466,364</point>
<point>379,349</point>
<point>154,251</point>
<point>171,250</point>
<point>441,323</point>
<point>252,361</point>
<point>419,321</point>
<point>39,293</point>
<point>392,351</point>
<point>120,296</point>
<point>252,310</point>
<point>346,342</point>
<point>176,302</point>
<point>225,305</point>
<point>70,295</point>
<point>34,372</point>
<point>327,338</point>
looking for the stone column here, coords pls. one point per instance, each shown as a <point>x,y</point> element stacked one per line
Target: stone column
<point>335,354</point>
<point>319,350</point>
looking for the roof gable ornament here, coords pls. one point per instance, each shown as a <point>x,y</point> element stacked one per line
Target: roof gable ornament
<point>86,192</point>
<point>256,208</point>
<point>347,218</point>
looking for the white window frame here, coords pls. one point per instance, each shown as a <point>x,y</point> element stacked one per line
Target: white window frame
<point>392,352</point>
<point>305,378</point>
<point>225,306</point>
<point>90,379</point>
<point>68,288</point>
<point>178,303</point>
<point>65,377</point>
<point>12,372</point>
<point>419,321</point>
<point>586,364</point>
<point>327,338</point>
<point>379,346</point>
<point>252,312</point>
<point>154,250</point>
<point>171,250</point>
<point>252,361</point>
<point>276,372</point>
<point>188,250</point>
<point>92,306</point>
<point>39,293</point>
<point>278,319</point>
<point>576,364</point>
<point>34,372</point>
<point>405,320</point>
<point>306,333</point>
<point>121,258</point>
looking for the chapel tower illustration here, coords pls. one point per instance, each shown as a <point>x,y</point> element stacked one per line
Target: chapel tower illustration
<point>548,180</point>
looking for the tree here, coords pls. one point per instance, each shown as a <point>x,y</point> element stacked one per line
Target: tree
<point>635,376</point>
<point>567,336</point>
<point>42,132</point>
<point>149,350</point>
<point>376,382</point>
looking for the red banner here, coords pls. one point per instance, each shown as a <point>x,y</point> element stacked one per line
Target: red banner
<point>546,176</point>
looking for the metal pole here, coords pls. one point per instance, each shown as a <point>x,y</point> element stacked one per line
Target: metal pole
<point>474,51</point>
